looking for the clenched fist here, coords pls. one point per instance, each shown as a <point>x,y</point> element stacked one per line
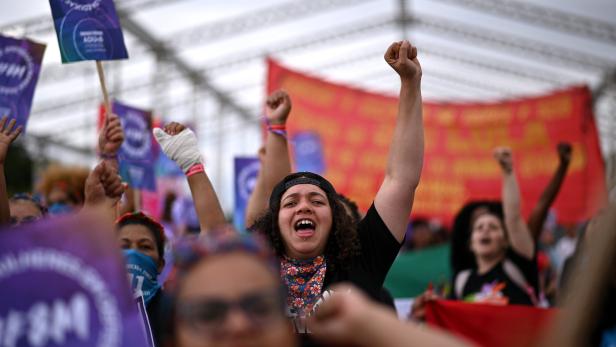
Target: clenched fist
<point>278,107</point>
<point>402,57</point>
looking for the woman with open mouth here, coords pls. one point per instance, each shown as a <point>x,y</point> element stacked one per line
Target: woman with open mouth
<point>504,251</point>
<point>315,238</point>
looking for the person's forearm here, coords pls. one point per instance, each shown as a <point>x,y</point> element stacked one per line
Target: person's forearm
<point>5,213</point>
<point>386,330</point>
<point>407,148</point>
<point>277,163</point>
<point>206,202</point>
<point>511,198</point>
<point>128,203</point>
<point>540,211</point>
<point>519,235</point>
<point>257,203</point>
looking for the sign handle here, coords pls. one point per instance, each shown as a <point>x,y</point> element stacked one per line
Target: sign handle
<point>137,199</point>
<point>101,78</point>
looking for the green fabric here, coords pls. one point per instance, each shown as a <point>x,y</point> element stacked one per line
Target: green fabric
<point>412,271</point>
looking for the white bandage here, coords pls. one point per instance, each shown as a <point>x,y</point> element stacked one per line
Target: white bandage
<point>182,148</point>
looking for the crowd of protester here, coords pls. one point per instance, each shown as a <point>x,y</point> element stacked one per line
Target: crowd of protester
<point>311,268</point>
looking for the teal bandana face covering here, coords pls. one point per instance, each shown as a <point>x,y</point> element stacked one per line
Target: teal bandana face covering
<point>142,274</point>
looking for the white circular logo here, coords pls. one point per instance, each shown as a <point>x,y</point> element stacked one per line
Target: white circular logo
<point>20,71</point>
<point>247,179</point>
<point>48,260</point>
<point>138,142</point>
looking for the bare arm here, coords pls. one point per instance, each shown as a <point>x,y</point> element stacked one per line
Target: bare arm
<point>540,211</point>
<point>276,163</point>
<point>206,202</point>
<point>257,202</point>
<point>110,140</point>
<point>180,144</point>
<point>348,318</point>
<point>128,205</point>
<point>7,136</point>
<point>517,229</point>
<point>394,200</point>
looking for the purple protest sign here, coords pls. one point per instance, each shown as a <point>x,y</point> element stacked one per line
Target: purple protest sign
<point>63,283</point>
<point>20,65</point>
<point>137,155</point>
<point>246,171</point>
<point>308,151</point>
<point>88,30</point>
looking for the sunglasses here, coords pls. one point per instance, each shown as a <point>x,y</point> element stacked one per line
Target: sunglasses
<point>208,316</point>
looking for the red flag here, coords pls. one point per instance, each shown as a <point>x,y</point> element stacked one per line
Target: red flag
<point>356,127</point>
<point>490,325</point>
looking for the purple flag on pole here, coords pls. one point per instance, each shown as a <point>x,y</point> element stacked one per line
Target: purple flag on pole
<point>137,155</point>
<point>88,30</point>
<point>63,283</point>
<point>246,171</point>
<point>20,65</point>
<point>308,151</point>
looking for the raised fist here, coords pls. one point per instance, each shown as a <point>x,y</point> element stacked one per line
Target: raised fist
<point>402,57</point>
<point>504,158</point>
<point>111,136</point>
<point>277,107</point>
<point>103,182</point>
<point>180,144</point>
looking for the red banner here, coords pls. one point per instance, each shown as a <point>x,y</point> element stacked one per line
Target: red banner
<point>356,128</point>
<point>491,325</point>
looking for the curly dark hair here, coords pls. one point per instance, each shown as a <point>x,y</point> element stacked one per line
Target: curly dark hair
<point>353,210</point>
<point>343,241</point>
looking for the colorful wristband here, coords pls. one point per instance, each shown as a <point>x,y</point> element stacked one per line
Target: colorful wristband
<point>195,169</point>
<point>279,129</point>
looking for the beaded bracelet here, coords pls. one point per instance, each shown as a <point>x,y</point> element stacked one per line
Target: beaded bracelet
<point>195,169</point>
<point>107,156</point>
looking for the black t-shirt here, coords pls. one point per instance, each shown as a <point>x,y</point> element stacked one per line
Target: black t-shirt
<point>368,270</point>
<point>497,286</point>
<point>158,310</point>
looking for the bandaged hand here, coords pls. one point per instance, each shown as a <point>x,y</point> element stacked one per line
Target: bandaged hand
<point>181,147</point>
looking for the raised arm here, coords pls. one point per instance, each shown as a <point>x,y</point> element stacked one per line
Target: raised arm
<point>276,163</point>
<point>110,140</point>
<point>180,145</point>
<point>349,318</point>
<point>257,200</point>
<point>7,136</point>
<point>540,211</point>
<point>394,199</point>
<point>519,236</point>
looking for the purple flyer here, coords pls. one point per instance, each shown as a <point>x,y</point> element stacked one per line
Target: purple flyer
<point>88,30</point>
<point>20,65</point>
<point>64,283</point>
<point>137,154</point>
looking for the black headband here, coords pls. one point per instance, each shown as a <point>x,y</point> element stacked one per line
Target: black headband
<point>300,178</point>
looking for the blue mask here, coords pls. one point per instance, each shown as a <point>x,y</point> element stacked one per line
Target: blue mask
<point>58,208</point>
<point>142,273</point>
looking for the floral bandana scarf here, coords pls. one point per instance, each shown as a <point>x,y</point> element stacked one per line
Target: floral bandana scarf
<point>304,280</point>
